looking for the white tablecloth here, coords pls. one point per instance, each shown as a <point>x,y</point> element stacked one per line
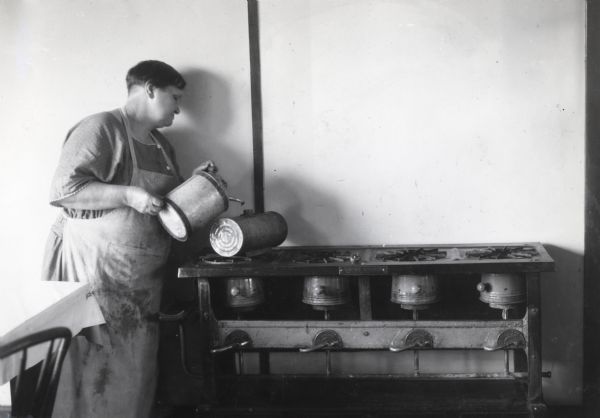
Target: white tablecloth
<point>27,307</point>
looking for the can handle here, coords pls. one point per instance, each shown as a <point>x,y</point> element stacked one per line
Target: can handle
<point>235,199</point>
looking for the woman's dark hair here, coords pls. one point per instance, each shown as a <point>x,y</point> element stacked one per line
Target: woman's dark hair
<point>157,73</point>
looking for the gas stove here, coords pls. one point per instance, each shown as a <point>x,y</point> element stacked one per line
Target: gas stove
<point>268,308</point>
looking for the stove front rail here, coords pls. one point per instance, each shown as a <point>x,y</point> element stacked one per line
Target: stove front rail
<point>373,335</point>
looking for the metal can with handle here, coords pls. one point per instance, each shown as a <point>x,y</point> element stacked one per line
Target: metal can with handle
<point>192,205</point>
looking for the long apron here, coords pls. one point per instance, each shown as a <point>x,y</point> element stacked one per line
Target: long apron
<point>122,255</point>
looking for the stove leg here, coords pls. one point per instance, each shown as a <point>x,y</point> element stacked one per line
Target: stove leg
<point>264,362</point>
<point>206,327</point>
<point>240,358</point>
<point>506,360</point>
<point>534,349</point>
<point>416,362</point>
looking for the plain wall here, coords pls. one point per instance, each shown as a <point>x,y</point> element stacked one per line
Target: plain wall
<point>385,121</point>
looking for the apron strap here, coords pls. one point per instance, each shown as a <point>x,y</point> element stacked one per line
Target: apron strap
<point>164,153</point>
<point>129,138</point>
<point>132,148</point>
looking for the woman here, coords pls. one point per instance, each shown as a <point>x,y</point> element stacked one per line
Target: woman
<point>113,170</point>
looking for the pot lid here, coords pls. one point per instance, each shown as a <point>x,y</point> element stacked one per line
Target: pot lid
<point>226,237</point>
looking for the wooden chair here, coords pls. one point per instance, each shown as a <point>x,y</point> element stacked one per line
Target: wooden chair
<point>33,390</point>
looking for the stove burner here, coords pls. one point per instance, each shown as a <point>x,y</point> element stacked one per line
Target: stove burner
<point>419,254</point>
<point>324,257</point>
<point>325,292</point>
<point>244,293</point>
<point>217,259</point>
<point>502,253</point>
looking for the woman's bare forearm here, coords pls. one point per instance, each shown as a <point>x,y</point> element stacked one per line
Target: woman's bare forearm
<point>98,196</point>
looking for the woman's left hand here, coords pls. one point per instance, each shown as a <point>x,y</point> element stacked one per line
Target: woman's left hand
<point>143,201</point>
<point>211,168</point>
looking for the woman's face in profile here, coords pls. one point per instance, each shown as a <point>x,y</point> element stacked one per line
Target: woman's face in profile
<point>165,105</point>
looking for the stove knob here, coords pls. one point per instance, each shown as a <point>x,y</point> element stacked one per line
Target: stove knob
<point>483,287</point>
<point>510,339</point>
<point>235,340</point>
<point>324,340</point>
<point>416,339</point>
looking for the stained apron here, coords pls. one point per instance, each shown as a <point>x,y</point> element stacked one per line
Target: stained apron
<point>122,255</point>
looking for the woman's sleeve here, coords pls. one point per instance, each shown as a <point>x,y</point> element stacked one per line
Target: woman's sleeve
<point>92,152</point>
<point>52,263</point>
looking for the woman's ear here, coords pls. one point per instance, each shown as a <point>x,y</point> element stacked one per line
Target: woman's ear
<point>149,88</point>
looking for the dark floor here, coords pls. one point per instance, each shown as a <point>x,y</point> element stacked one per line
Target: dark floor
<point>566,412</point>
<point>553,412</point>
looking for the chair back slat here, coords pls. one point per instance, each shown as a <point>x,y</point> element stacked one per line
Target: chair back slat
<point>34,389</point>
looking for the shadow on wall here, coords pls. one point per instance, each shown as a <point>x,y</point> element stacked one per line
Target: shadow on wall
<point>291,192</point>
<point>207,110</point>
<point>562,326</point>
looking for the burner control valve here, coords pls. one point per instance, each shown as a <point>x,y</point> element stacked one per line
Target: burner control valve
<point>324,340</point>
<point>236,340</point>
<point>417,339</point>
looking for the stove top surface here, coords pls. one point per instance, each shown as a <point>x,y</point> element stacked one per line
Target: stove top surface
<point>375,260</point>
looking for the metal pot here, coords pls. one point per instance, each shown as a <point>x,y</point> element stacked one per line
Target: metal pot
<point>502,291</point>
<point>326,292</point>
<point>413,291</point>
<point>250,231</point>
<point>244,293</point>
<point>192,205</point>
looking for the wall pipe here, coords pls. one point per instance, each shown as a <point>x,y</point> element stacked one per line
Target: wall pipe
<point>256,100</point>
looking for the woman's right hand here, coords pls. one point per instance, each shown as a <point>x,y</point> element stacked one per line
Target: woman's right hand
<point>207,166</point>
<point>143,201</point>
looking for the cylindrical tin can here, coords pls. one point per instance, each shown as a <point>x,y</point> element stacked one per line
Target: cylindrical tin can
<point>192,205</point>
<point>326,292</point>
<point>244,293</point>
<point>248,232</point>
<point>414,291</point>
<point>502,290</point>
